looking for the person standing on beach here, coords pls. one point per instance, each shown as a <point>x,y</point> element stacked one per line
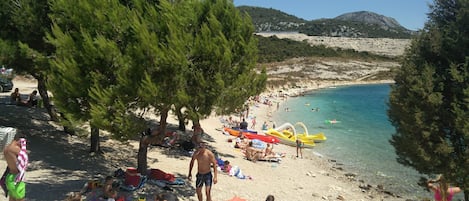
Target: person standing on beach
<point>299,148</point>
<point>197,135</point>
<point>205,159</point>
<point>442,191</point>
<point>243,125</point>
<point>253,123</point>
<point>264,126</point>
<point>17,160</point>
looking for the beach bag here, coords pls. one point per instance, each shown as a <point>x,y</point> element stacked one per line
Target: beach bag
<point>160,175</point>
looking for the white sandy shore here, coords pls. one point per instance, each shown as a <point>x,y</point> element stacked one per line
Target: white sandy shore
<point>60,164</point>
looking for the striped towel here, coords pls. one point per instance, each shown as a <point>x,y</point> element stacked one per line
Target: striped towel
<point>22,161</point>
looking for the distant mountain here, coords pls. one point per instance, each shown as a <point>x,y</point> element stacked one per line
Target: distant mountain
<point>361,24</point>
<point>371,18</point>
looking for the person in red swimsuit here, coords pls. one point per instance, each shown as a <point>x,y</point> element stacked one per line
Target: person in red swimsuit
<point>442,190</point>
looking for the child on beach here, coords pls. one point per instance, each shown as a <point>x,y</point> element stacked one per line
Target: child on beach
<point>299,148</point>
<point>108,190</point>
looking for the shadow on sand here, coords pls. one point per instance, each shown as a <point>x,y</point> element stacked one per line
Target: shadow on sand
<point>65,159</point>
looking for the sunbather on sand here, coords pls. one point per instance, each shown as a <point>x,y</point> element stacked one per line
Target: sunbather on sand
<point>234,171</point>
<point>253,154</point>
<point>241,142</point>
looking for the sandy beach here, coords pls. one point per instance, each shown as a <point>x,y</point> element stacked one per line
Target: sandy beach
<point>60,163</point>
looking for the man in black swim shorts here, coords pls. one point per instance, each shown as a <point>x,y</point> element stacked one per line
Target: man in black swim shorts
<point>205,159</point>
<point>203,179</point>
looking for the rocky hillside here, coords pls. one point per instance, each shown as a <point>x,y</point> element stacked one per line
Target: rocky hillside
<point>317,70</point>
<point>359,24</point>
<point>370,18</point>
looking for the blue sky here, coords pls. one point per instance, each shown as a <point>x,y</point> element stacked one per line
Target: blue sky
<point>411,14</point>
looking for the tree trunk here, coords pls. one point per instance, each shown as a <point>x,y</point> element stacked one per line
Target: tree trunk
<point>163,122</point>
<point>466,195</point>
<point>182,122</point>
<point>42,89</point>
<point>142,164</point>
<point>95,148</point>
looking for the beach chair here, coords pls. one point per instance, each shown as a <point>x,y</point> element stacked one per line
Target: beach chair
<point>6,136</point>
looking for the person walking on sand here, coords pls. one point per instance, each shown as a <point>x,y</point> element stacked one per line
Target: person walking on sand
<point>253,123</point>
<point>17,160</point>
<point>205,159</point>
<point>442,191</point>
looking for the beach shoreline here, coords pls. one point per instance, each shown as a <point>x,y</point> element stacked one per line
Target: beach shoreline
<point>312,178</point>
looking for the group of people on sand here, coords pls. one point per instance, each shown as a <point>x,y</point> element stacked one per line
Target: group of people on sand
<point>254,149</point>
<point>31,101</point>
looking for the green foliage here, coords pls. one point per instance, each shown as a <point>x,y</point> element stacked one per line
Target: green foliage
<point>273,49</point>
<point>24,24</point>
<point>429,103</point>
<point>89,37</point>
<point>116,61</point>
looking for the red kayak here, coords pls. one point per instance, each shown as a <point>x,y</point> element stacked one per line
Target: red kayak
<point>252,135</point>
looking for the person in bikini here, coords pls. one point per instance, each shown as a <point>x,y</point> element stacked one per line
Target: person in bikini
<point>205,159</point>
<point>442,191</point>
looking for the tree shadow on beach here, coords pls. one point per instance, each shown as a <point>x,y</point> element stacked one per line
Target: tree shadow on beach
<point>64,161</point>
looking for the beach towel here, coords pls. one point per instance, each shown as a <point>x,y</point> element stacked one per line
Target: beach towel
<point>236,171</point>
<point>22,161</point>
<point>143,180</point>
<point>163,183</point>
<point>158,174</point>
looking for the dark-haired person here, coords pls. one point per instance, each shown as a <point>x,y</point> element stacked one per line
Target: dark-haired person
<point>16,157</point>
<point>243,125</point>
<point>32,99</point>
<point>270,198</point>
<point>15,97</point>
<point>205,160</point>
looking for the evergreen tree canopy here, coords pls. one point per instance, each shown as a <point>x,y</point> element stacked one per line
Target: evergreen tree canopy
<point>115,59</point>
<point>429,102</point>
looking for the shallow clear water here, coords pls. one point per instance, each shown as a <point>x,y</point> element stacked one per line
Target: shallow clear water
<point>360,139</point>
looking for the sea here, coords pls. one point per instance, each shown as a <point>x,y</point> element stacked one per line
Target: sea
<point>358,138</point>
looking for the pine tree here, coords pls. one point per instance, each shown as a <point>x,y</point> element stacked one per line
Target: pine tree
<point>89,37</point>
<point>429,103</point>
<point>23,26</point>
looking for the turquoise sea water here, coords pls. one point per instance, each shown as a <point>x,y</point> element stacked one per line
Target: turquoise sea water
<point>360,140</point>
